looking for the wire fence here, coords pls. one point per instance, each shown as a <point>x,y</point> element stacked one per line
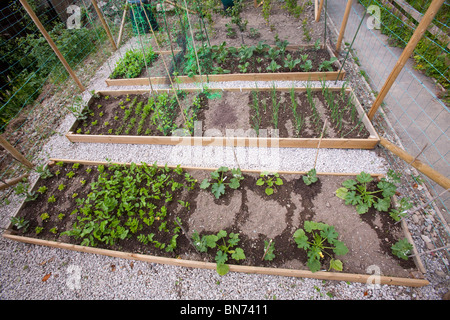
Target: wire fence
<point>414,114</point>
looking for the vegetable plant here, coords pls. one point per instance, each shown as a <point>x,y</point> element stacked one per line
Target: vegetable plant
<point>20,223</point>
<point>271,180</point>
<point>269,248</point>
<point>290,63</point>
<point>327,65</point>
<point>402,248</point>
<point>320,239</point>
<point>310,177</point>
<point>218,186</point>
<point>224,246</point>
<point>356,192</point>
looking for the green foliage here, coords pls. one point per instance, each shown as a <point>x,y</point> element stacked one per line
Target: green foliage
<point>310,177</point>
<point>269,248</point>
<point>132,64</point>
<point>218,187</point>
<point>271,180</point>
<point>127,200</point>
<point>327,65</point>
<point>290,63</point>
<point>318,238</point>
<point>224,248</point>
<point>20,223</point>
<point>402,248</point>
<point>356,192</point>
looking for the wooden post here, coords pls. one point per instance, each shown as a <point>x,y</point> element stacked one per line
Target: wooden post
<point>419,165</point>
<point>105,26</point>
<point>343,25</point>
<point>16,154</point>
<point>12,182</point>
<point>319,10</point>
<point>418,33</point>
<point>51,43</point>
<point>122,25</point>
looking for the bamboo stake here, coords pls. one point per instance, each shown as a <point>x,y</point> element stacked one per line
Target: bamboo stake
<point>429,251</point>
<point>419,165</point>
<point>16,154</point>
<point>344,24</point>
<point>51,43</point>
<point>409,212</point>
<point>14,181</point>
<point>105,26</point>
<point>409,49</point>
<point>319,10</point>
<point>267,250</point>
<point>122,25</point>
<point>165,65</point>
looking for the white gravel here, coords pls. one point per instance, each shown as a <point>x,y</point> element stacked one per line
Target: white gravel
<point>75,275</point>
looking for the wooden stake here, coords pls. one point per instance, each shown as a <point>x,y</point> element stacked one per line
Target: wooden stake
<point>319,10</point>
<point>51,43</point>
<point>429,251</point>
<point>105,26</point>
<point>418,33</point>
<point>344,24</point>
<point>434,175</point>
<point>11,182</point>
<point>122,25</point>
<point>267,250</point>
<point>16,154</point>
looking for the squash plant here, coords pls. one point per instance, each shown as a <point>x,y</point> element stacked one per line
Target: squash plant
<point>218,186</point>
<point>356,192</point>
<point>318,239</point>
<point>224,248</point>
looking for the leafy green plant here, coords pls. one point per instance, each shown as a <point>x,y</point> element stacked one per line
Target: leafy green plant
<point>45,216</point>
<point>355,192</point>
<point>131,65</point>
<point>219,176</point>
<point>402,248</point>
<point>327,65</point>
<point>310,177</point>
<point>320,239</point>
<point>290,63</point>
<point>243,68</point>
<point>20,223</point>
<point>271,180</point>
<point>307,65</point>
<point>225,247</point>
<point>44,171</point>
<point>269,248</point>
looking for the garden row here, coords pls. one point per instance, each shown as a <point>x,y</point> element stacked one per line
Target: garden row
<point>283,117</point>
<point>291,223</point>
<point>259,62</point>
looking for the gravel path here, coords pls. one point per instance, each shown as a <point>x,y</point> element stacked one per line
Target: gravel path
<point>36,272</point>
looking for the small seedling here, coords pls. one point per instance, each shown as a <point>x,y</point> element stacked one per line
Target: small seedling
<point>271,180</point>
<point>218,187</point>
<point>310,177</point>
<point>20,223</point>
<point>45,216</point>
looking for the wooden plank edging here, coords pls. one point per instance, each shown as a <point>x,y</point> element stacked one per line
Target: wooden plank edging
<point>336,143</point>
<point>280,76</point>
<point>321,275</point>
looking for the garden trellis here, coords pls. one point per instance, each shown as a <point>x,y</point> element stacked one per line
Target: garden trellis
<point>171,44</point>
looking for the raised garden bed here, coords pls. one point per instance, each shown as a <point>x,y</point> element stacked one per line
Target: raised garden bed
<point>237,64</point>
<point>239,117</point>
<point>109,206</point>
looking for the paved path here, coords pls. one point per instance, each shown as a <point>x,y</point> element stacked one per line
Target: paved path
<point>411,105</point>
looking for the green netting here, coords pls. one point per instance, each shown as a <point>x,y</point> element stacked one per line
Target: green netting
<point>139,21</point>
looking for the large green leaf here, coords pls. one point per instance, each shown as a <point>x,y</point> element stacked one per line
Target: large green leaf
<point>341,193</point>
<point>340,248</point>
<point>336,264</point>
<point>222,269</point>
<point>364,177</point>
<point>218,190</point>
<point>301,239</point>
<point>238,254</point>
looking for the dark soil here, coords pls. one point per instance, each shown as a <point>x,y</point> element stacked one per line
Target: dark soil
<point>244,209</point>
<point>106,115</point>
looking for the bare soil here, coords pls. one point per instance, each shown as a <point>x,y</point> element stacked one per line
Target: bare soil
<point>248,211</point>
<point>231,114</point>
